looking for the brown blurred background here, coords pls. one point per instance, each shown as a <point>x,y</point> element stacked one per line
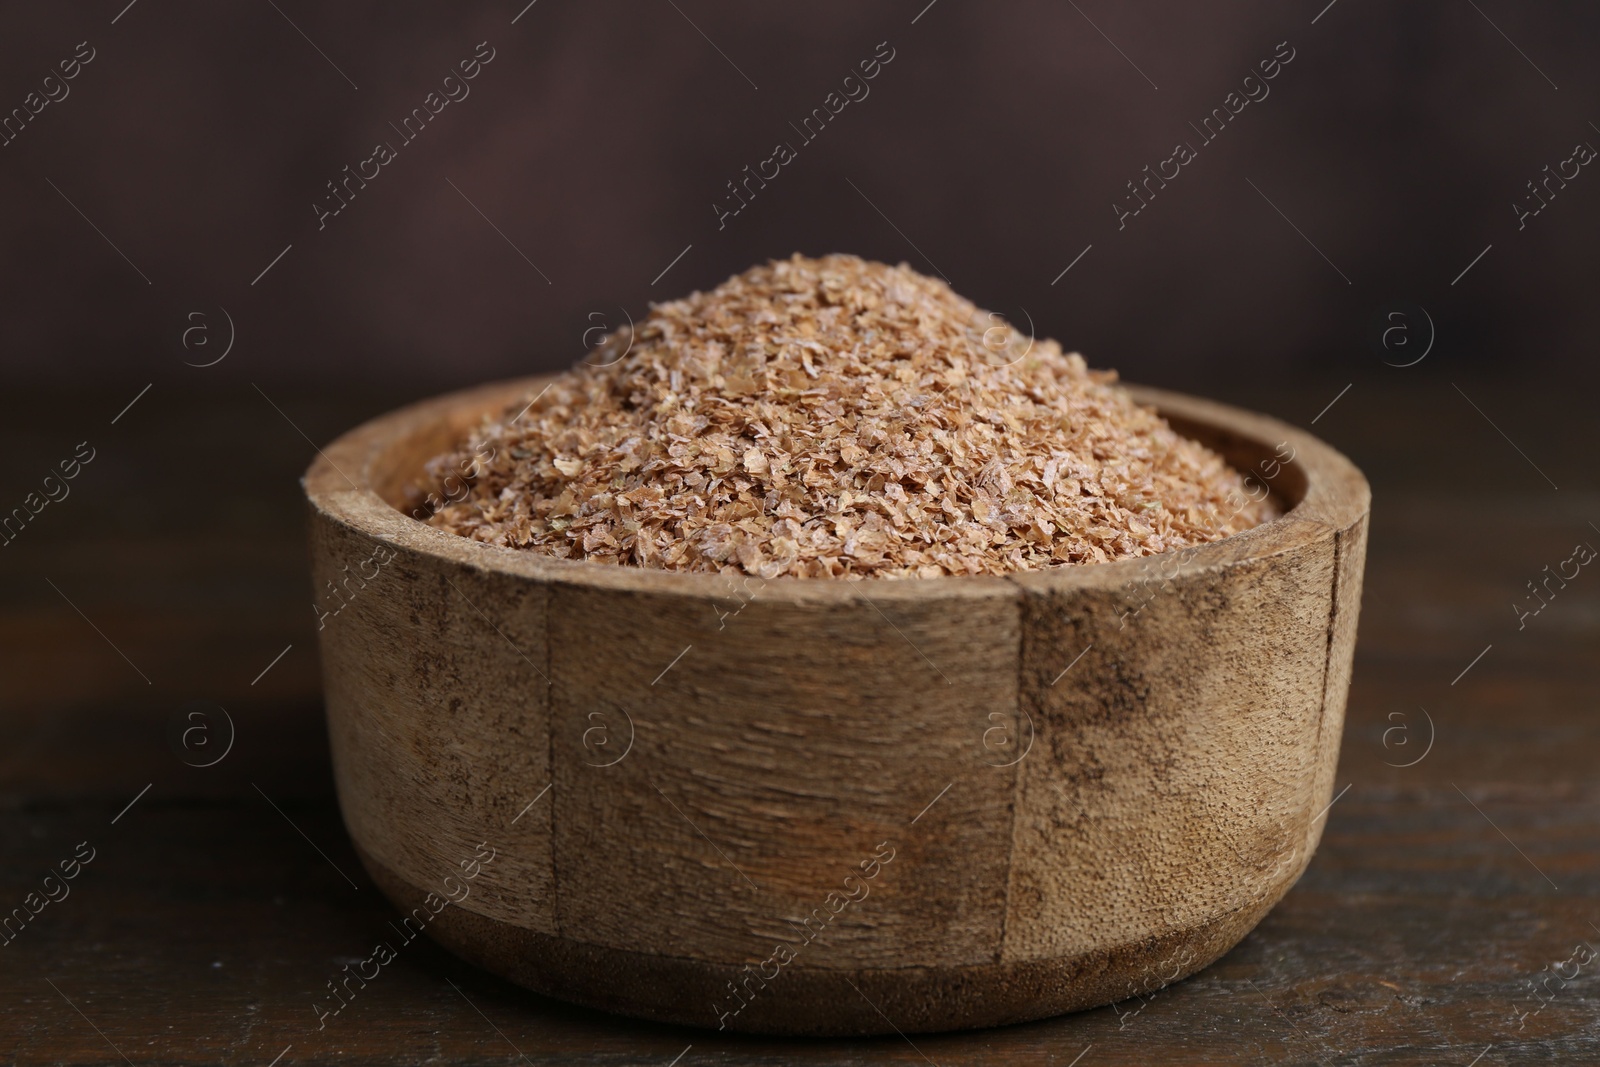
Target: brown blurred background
<point>598,138</point>
<point>171,189</point>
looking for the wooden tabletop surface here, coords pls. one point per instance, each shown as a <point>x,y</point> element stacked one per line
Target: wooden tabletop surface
<point>1446,919</point>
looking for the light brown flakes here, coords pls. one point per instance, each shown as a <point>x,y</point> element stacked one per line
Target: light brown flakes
<point>836,418</point>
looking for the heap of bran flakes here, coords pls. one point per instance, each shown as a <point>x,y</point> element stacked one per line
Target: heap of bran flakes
<point>836,418</point>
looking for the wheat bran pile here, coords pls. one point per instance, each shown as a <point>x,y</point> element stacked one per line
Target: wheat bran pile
<point>835,417</point>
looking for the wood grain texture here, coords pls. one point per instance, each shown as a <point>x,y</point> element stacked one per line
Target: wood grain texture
<point>774,750</point>
<point>730,763</point>
<point>435,704</point>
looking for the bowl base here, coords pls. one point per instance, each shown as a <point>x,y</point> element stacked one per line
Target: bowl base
<point>822,1002</point>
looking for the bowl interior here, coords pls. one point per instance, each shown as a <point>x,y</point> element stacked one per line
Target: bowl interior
<point>395,469</point>
<point>1258,460</point>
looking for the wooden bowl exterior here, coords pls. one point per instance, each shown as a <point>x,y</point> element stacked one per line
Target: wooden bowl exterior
<point>812,806</point>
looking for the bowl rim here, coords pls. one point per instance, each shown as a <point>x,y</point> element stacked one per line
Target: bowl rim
<point>339,486</point>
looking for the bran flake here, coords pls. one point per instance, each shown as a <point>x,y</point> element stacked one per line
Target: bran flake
<point>835,417</point>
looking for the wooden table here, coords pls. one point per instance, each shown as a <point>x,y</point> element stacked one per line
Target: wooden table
<point>221,899</point>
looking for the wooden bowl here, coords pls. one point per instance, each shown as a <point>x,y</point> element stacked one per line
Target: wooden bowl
<point>812,806</point>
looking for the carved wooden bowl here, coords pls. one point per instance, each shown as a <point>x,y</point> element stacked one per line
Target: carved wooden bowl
<point>815,806</point>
